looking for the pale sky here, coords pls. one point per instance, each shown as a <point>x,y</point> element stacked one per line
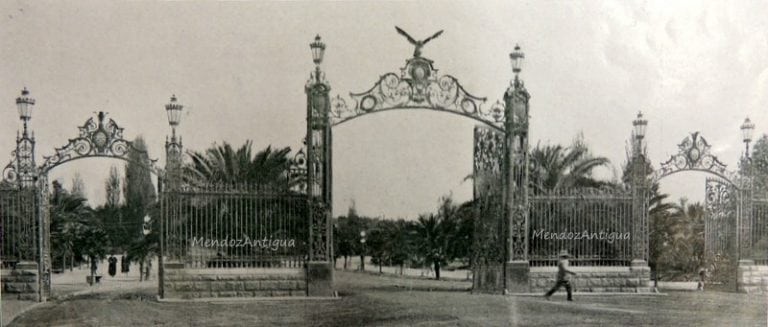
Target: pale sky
<point>240,69</point>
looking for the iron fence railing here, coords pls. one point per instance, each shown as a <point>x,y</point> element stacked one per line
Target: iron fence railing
<point>582,262</point>
<point>235,227</point>
<point>18,225</point>
<point>759,229</point>
<point>594,226</point>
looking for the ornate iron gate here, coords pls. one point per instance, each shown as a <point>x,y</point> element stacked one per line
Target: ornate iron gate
<point>489,250</point>
<point>720,205</point>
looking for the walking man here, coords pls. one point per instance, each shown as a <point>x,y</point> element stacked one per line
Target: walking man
<point>562,276</point>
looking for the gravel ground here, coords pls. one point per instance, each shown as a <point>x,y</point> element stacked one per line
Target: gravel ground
<point>369,300</point>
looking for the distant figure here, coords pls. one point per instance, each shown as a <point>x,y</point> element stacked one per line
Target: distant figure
<point>702,276</point>
<point>112,266</point>
<point>148,269</point>
<point>562,276</point>
<point>125,265</point>
<point>94,267</point>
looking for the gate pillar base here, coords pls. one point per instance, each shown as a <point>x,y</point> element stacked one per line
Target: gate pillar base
<point>488,278</point>
<point>751,278</point>
<point>21,283</point>
<point>320,279</point>
<point>517,276</point>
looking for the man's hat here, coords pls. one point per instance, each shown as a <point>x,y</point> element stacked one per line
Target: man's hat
<point>564,254</point>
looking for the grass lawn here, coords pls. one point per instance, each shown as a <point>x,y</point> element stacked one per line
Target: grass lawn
<point>386,301</point>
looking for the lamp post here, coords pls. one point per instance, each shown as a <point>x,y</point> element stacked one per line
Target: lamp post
<point>639,193</point>
<point>24,105</point>
<point>516,58</point>
<point>173,147</point>
<point>747,130</point>
<point>173,150</point>
<point>514,274</point>
<point>639,125</point>
<point>318,51</point>
<point>362,255</point>
<point>25,169</point>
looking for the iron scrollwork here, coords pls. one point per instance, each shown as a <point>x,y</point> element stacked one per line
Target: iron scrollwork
<point>488,162</point>
<point>718,210</point>
<point>21,169</point>
<point>297,172</point>
<point>320,238</point>
<point>518,232</point>
<point>96,139</point>
<point>418,86</point>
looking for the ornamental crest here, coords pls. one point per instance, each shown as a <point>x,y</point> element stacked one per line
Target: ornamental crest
<point>95,139</point>
<point>694,154</point>
<point>416,86</point>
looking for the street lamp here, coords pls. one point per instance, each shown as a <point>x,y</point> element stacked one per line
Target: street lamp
<point>747,130</point>
<point>639,124</point>
<point>516,57</point>
<point>24,105</point>
<point>318,51</point>
<point>174,109</point>
<point>173,148</point>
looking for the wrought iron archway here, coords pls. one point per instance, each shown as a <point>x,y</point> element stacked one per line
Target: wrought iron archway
<point>417,87</point>
<point>501,154</point>
<point>96,139</point>
<point>694,155</point>
<point>727,188</point>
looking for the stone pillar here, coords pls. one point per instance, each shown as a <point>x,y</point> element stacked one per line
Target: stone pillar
<point>172,273</point>
<point>751,278</point>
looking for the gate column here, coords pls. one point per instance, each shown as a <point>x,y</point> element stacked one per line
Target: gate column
<point>319,188</point>
<point>640,194</point>
<point>516,100</point>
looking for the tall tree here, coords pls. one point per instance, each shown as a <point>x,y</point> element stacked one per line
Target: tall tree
<point>78,186</point>
<point>138,188</point>
<point>112,188</point>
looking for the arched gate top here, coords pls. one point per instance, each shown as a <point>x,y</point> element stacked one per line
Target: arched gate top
<point>96,139</point>
<point>418,86</point>
<point>694,155</point>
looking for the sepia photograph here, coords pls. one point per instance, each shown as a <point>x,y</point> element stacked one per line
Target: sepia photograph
<point>384,163</point>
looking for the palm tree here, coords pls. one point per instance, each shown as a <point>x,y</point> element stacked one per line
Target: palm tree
<point>223,164</point>
<point>435,235</point>
<point>558,167</point>
<point>69,215</point>
<point>683,242</point>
